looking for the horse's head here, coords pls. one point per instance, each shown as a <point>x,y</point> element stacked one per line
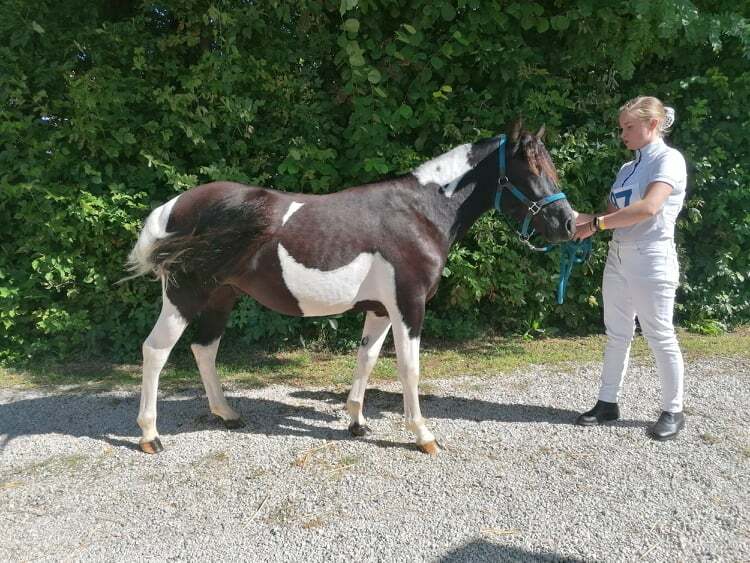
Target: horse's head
<point>528,191</point>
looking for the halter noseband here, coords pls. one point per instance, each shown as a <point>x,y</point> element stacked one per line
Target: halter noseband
<point>533,207</point>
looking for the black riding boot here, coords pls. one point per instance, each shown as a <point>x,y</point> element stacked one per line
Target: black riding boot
<point>601,413</point>
<point>667,427</point>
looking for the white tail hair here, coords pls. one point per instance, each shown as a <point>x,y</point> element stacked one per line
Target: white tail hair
<point>155,228</point>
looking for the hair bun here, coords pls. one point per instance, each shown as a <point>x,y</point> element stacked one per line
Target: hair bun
<point>668,118</point>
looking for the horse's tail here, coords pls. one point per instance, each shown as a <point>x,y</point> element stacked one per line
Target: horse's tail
<point>140,260</point>
<point>223,231</point>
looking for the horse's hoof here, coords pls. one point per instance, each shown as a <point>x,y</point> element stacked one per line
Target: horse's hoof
<point>232,423</point>
<point>358,430</point>
<point>152,447</point>
<point>430,448</point>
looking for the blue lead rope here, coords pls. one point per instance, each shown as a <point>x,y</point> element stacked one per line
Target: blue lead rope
<point>571,252</point>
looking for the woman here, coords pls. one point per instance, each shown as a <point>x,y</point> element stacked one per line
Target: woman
<point>642,273</point>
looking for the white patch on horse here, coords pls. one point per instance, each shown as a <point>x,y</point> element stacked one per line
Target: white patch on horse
<point>294,206</point>
<point>445,169</point>
<point>369,277</point>
<point>155,228</point>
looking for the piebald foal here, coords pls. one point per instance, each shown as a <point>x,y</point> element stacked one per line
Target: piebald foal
<point>378,248</point>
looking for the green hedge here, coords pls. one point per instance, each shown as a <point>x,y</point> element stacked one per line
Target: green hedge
<point>109,108</point>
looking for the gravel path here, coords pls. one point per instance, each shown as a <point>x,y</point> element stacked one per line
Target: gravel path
<point>517,482</point>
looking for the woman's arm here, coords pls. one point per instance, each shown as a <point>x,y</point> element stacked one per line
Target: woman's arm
<point>656,194</point>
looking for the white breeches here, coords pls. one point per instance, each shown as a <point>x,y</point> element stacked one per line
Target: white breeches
<point>640,279</point>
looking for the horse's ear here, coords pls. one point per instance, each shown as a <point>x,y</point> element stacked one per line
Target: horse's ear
<point>541,132</point>
<point>515,130</point>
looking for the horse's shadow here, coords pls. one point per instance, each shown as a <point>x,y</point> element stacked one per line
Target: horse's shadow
<point>108,418</point>
<point>378,402</point>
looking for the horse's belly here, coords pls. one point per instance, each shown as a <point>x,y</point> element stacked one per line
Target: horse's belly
<point>321,293</point>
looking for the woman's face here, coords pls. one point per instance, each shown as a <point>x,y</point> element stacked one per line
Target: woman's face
<point>636,133</point>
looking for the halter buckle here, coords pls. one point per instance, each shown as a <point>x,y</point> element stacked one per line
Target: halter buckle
<point>503,181</point>
<point>534,207</point>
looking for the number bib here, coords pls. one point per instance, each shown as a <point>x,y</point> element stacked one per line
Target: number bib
<point>624,195</point>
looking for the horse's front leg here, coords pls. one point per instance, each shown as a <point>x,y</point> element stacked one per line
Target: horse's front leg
<point>373,336</point>
<point>406,339</point>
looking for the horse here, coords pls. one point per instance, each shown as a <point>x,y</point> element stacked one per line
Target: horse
<point>378,248</point>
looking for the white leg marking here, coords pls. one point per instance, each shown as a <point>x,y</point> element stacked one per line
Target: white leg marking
<point>407,352</point>
<point>446,168</point>
<point>156,349</point>
<point>293,207</point>
<point>205,357</point>
<point>373,335</point>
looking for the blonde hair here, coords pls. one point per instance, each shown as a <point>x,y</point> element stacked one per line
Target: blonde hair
<point>647,108</point>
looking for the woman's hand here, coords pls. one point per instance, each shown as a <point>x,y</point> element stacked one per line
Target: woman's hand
<point>582,218</point>
<point>584,230</point>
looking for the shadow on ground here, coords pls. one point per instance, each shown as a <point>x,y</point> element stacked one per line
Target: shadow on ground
<point>482,550</point>
<point>102,416</point>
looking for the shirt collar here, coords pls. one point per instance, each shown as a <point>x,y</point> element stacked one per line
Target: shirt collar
<point>651,149</point>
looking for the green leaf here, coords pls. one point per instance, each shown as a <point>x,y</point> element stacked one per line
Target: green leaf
<point>38,28</point>
<point>347,5</point>
<point>405,111</point>
<point>356,60</point>
<point>373,76</point>
<point>351,25</point>
<point>410,28</point>
<point>448,12</point>
<point>560,23</point>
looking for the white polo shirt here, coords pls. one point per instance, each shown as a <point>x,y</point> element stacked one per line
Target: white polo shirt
<point>656,162</point>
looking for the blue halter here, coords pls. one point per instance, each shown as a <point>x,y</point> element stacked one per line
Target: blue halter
<point>533,207</point>
<point>571,253</point>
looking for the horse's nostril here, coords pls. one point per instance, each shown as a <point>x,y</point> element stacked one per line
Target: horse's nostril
<point>569,226</point>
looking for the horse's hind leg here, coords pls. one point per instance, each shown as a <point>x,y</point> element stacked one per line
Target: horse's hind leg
<point>165,334</point>
<point>373,335</point>
<point>211,324</point>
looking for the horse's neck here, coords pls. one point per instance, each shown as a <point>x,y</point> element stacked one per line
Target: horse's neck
<point>475,201</point>
<point>460,191</point>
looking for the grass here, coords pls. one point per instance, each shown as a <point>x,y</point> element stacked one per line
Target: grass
<point>258,367</point>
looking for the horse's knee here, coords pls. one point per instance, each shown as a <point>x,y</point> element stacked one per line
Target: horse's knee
<point>153,354</point>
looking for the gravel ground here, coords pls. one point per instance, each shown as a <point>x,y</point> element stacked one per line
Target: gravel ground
<point>516,482</point>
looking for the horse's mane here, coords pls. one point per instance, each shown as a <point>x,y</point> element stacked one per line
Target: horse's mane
<point>537,156</point>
